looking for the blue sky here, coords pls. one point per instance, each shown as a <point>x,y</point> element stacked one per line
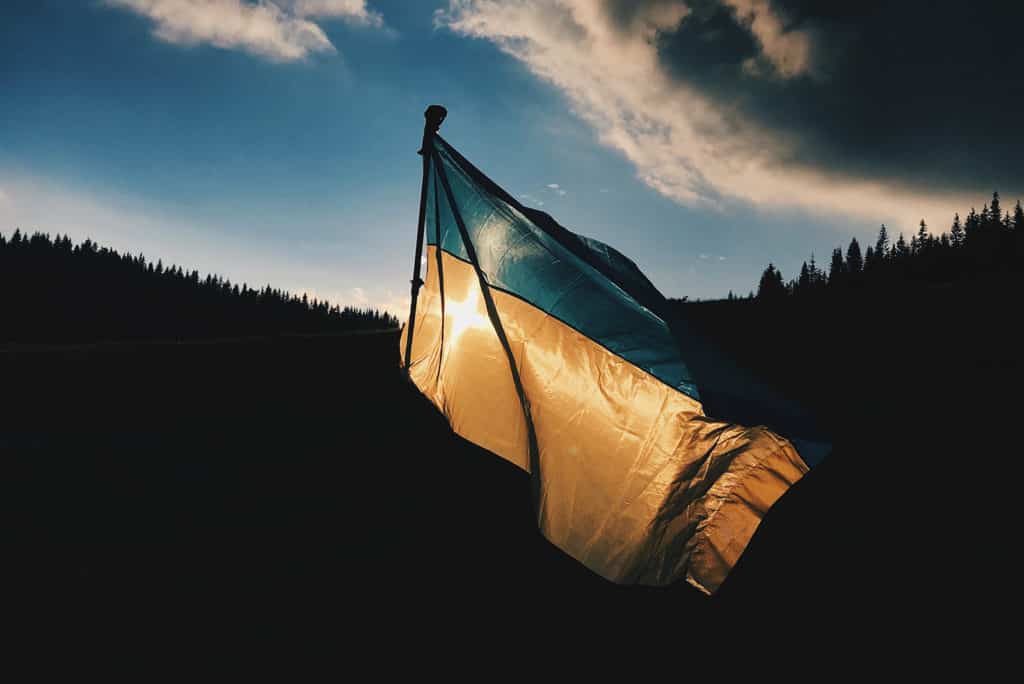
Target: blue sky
<point>275,142</point>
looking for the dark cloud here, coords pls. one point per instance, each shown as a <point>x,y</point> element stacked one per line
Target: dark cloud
<point>924,94</point>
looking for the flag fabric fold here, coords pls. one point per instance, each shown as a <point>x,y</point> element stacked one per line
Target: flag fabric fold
<point>548,349</point>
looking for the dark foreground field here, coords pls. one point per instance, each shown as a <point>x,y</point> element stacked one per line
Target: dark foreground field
<point>242,497</point>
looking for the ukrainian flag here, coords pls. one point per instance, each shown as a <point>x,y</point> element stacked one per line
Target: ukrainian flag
<point>544,347</point>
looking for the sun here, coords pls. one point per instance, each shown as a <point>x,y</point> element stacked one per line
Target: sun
<point>465,314</point>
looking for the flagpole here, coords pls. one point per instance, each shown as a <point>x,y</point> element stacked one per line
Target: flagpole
<point>434,117</point>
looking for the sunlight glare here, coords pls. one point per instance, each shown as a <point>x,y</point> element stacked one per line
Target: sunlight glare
<point>466,314</point>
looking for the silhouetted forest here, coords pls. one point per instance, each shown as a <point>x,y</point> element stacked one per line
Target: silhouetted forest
<point>900,338</point>
<point>52,290</point>
<point>983,244</point>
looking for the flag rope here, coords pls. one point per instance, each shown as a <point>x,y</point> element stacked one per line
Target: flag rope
<point>499,329</point>
<point>440,272</point>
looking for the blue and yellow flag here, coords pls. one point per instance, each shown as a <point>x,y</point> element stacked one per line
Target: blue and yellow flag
<point>544,347</point>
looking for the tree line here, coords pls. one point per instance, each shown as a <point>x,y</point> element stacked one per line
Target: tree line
<point>53,290</point>
<point>987,242</point>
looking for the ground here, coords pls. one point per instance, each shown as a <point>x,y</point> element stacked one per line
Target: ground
<point>295,491</point>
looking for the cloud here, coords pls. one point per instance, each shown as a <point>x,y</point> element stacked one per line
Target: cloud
<point>717,101</point>
<point>788,51</point>
<point>353,11</point>
<point>280,31</point>
<point>531,199</point>
<point>396,304</point>
<point>553,186</point>
<point>359,298</point>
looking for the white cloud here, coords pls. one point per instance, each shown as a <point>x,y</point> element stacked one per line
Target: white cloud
<point>353,11</point>
<point>682,144</point>
<point>359,298</point>
<point>561,192</point>
<point>788,51</point>
<point>280,30</point>
<point>396,304</point>
<point>553,186</point>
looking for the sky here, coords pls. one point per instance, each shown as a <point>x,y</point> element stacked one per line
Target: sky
<point>274,141</point>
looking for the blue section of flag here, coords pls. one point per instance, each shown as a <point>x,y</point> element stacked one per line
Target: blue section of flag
<point>582,282</point>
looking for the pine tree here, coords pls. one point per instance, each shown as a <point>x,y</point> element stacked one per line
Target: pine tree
<point>922,236</point>
<point>995,212</point>
<point>854,261</point>
<point>771,286</point>
<point>971,226</point>
<point>882,243</point>
<point>901,250</point>
<point>956,233</point>
<point>1017,239</point>
<point>837,268</point>
<point>816,276</point>
<point>764,286</point>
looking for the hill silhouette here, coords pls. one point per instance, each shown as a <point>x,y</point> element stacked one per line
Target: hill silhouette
<point>57,291</point>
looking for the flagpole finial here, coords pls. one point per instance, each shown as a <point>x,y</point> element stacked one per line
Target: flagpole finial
<point>435,115</point>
